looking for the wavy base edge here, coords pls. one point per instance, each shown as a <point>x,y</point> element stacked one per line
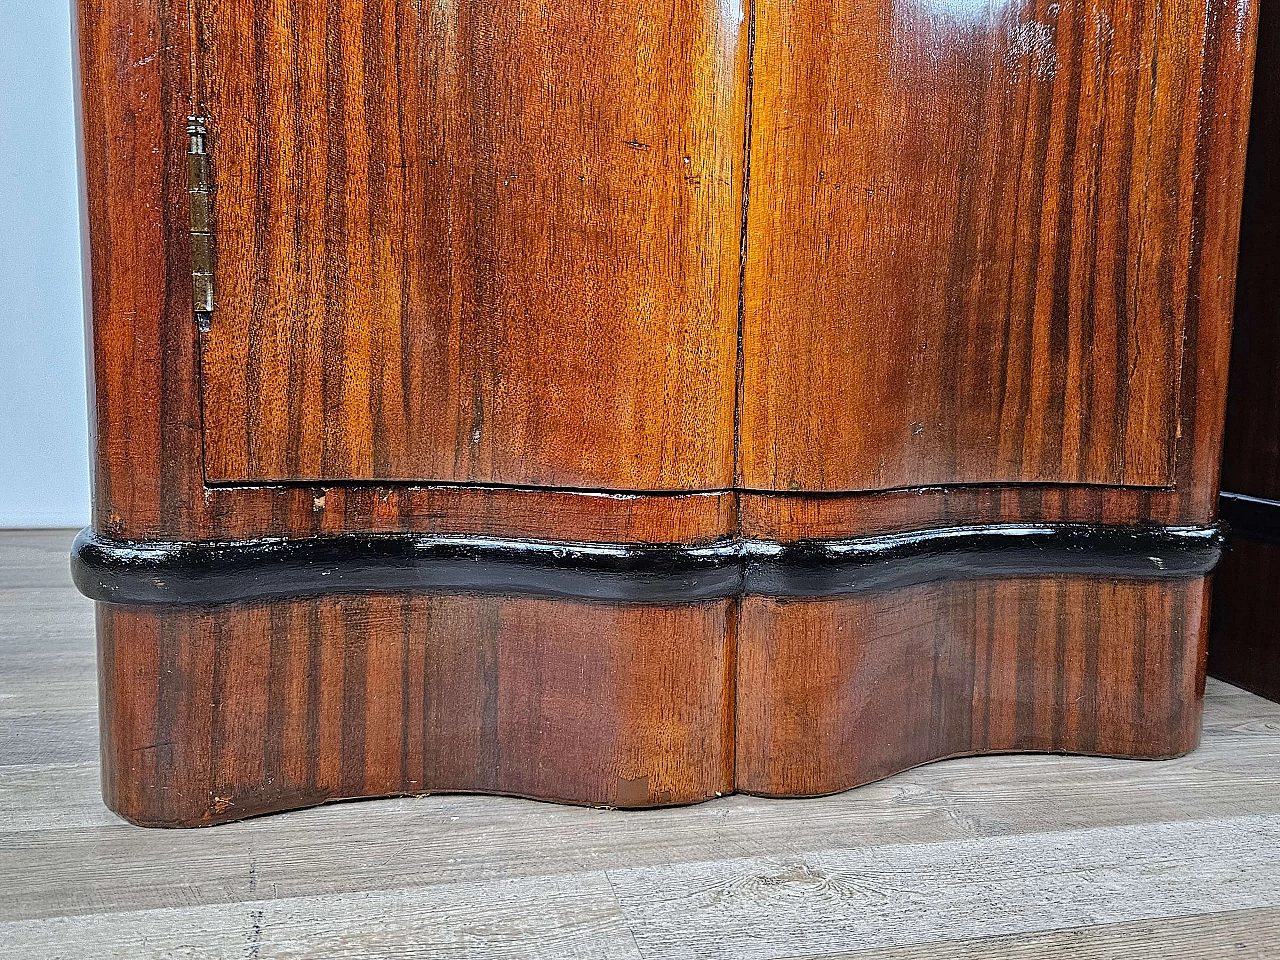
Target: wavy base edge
<point>875,659</point>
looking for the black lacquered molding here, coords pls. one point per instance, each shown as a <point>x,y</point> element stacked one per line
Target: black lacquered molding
<point>217,572</point>
<point>1251,517</point>
<point>272,568</point>
<point>819,568</point>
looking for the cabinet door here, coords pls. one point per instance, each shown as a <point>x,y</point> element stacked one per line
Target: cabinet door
<point>970,230</point>
<point>473,241</point>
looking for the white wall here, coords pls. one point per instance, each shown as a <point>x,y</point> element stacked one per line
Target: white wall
<point>44,473</point>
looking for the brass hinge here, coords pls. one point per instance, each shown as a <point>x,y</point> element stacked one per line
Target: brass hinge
<point>200,190</point>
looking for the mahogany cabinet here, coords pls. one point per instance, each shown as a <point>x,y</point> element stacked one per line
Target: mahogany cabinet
<point>1244,645</point>
<point>626,403</point>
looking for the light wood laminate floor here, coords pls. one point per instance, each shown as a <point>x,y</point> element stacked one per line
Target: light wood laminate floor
<point>993,857</point>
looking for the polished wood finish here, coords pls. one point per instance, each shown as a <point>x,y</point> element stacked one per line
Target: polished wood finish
<point>375,311</point>
<point>224,713</point>
<point>146,417</point>
<point>787,518</point>
<point>221,713</point>
<point>840,692</point>
<point>474,241</point>
<point>979,235</point>
<point>1245,635</point>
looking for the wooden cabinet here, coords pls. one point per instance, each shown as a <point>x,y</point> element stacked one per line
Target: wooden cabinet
<point>631,403</point>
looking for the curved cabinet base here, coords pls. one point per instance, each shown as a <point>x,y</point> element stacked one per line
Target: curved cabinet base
<point>221,713</point>
<point>212,714</point>
<point>840,692</point>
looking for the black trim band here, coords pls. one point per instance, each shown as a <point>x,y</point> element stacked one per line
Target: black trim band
<point>217,572</point>
<point>819,568</point>
<point>1250,517</point>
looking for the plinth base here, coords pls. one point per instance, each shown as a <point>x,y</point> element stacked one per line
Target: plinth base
<point>673,676</point>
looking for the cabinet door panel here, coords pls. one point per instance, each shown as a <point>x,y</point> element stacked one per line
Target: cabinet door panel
<point>970,228</point>
<point>461,241</point>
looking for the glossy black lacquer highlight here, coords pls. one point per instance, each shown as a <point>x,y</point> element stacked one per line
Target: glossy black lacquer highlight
<point>214,572</point>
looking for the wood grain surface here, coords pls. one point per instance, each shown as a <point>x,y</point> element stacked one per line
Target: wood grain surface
<point>235,711</point>
<point>145,386</point>
<point>227,712</point>
<point>839,692</point>
<point>493,242</point>
<point>979,236</point>
<point>786,517</point>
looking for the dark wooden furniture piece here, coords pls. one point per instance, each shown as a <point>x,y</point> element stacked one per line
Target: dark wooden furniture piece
<point>630,403</point>
<point>1244,646</point>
